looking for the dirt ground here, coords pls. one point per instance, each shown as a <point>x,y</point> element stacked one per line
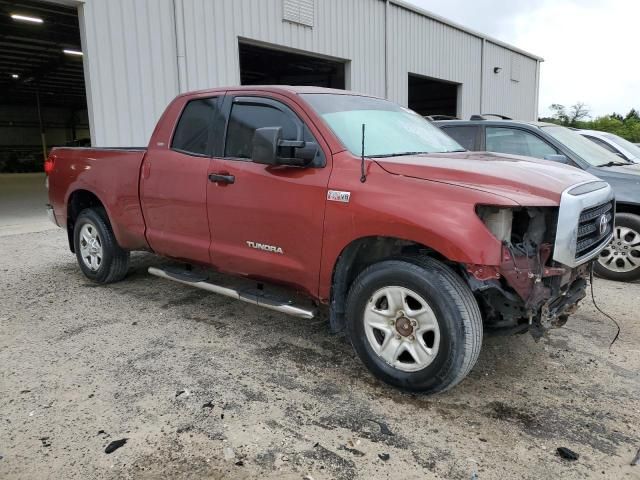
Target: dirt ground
<point>205,387</point>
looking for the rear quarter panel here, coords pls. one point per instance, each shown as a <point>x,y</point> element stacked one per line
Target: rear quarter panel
<point>112,176</point>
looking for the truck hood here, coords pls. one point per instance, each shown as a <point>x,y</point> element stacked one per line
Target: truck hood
<point>524,180</point>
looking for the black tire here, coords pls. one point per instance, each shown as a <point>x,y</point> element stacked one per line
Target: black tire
<point>455,309</point>
<point>630,221</point>
<point>114,262</point>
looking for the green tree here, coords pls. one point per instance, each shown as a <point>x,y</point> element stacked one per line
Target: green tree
<point>633,115</point>
<point>577,116</point>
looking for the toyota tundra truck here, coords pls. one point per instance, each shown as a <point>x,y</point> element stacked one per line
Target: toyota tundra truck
<point>369,213</point>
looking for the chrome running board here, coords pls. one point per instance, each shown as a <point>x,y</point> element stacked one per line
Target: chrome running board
<point>253,296</point>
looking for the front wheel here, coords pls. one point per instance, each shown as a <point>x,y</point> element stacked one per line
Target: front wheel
<point>620,260</point>
<point>415,324</point>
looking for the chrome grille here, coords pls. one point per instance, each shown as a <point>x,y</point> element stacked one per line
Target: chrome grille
<point>590,233</point>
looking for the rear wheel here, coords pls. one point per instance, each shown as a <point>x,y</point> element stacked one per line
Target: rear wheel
<point>415,324</point>
<point>100,257</point>
<point>620,260</point>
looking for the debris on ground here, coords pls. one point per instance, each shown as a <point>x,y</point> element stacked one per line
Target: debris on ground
<point>384,428</point>
<point>384,456</point>
<point>182,393</point>
<point>567,454</point>
<point>636,460</point>
<point>229,454</point>
<point>353,442</point>
<point>102,432</point>
<point>353,451</point>
<point>240,463</point>
<point>116,444</point>
<point>45,441</point>
<point>474,473</point>
<point>209,404</point>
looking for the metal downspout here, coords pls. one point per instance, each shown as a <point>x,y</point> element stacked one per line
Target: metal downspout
<point>178,8</point>
<point>386,49</point>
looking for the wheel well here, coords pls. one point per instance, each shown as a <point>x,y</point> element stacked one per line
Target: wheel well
<point>627,208</point>
<point>78,201</point>
<point>357,256</point>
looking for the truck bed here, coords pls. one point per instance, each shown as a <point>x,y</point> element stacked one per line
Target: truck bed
<point>112,175</point>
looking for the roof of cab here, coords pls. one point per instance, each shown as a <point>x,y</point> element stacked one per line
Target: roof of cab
<point>279,89</point>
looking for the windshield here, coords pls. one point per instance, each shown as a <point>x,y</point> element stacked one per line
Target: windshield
<point>390,130</point>
<point>583,147</point>
<point>634,150</point>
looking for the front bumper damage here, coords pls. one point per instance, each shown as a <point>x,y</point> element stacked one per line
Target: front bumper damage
<point>545,261</point>
<point>522,294</point>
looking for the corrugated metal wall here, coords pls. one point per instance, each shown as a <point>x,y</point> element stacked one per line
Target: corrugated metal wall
<point>344,29</point>
<point>516,98</point>
<point>141,53</point>
<point>426,47</point>
<point>130,67</point>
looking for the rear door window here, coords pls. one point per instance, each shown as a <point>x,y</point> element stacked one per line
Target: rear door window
<point>201,121</point>
<point>517,142</point>
<point>465,135</point>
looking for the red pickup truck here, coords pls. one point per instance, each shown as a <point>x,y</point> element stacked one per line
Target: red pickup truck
<point>415,245</point>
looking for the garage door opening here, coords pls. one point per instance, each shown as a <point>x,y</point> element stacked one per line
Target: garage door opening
<point>266,66</point>
<point>42,93</point>
<point>433,97</point>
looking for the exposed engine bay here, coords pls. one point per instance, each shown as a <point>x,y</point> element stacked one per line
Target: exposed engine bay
<point>528,291</point>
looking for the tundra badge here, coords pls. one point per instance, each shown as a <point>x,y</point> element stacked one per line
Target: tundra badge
<point>338,196</point>
<point>266,248</point>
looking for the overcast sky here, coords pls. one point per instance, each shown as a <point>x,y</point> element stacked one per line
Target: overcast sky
<point>590,47</point>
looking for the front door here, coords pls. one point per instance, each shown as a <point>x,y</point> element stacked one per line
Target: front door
<point>267,221</point>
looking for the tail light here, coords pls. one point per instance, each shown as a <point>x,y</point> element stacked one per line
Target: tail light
<point>49,163</point>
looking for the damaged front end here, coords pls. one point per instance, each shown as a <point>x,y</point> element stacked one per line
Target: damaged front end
<point>530,290</point>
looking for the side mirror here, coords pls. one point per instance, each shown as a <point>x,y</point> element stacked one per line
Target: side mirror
<point>265,145</point>
<point>268,147</point>
<point>557,158</point>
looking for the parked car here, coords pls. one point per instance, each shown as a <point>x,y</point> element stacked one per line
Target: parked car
<point>413,246</point>
<point>621,259</point>
<point>613,143</point>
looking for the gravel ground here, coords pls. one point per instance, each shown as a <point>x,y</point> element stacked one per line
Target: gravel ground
<point>204,387</point>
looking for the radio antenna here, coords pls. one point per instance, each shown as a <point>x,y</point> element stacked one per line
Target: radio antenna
<point>363,175</point>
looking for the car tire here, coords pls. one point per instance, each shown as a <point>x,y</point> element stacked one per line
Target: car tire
<point>100,257</point>
<point>620,260</point>
<point>396,354</point>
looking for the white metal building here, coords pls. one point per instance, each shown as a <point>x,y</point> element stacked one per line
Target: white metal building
<point>139,54</point>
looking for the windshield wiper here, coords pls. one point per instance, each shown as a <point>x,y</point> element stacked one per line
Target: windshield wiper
<point>615,164</point>
<point>402,154</point>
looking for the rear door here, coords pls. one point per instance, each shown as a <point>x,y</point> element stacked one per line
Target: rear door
<point>267,221</point>
<point>174,183</point>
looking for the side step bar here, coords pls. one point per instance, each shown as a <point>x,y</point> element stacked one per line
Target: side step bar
<point>253,296</point>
